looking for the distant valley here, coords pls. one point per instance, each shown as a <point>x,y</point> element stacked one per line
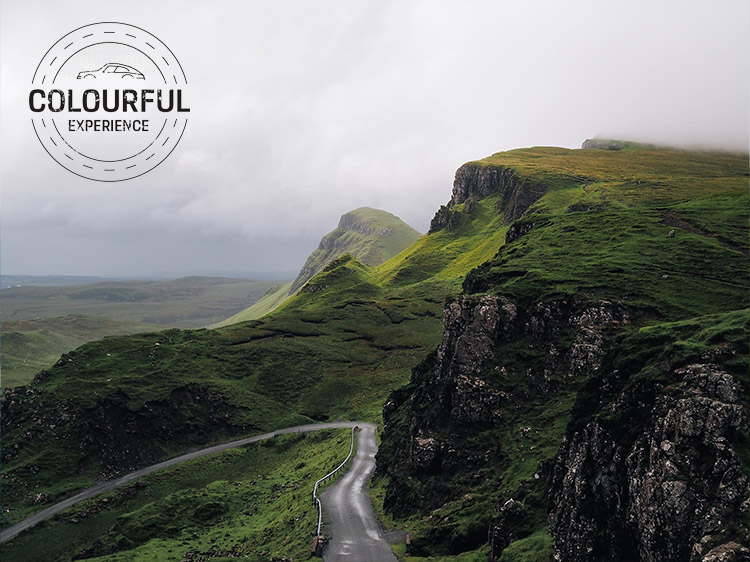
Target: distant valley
<point>44,317</point>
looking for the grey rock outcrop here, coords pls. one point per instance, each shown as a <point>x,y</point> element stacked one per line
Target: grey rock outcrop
<point>475,181</point>
<point>463,390</point>
<point>676,493</point>
<point>501,532</point>
<point>603,144</point>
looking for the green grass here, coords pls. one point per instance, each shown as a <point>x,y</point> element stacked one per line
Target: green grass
<point>274,298</point>
<point>622,253</point>
<point>381,235</point>
<point>393,236</point>
<point>603,233</point>
<point>724,216</point>
<point>537,547</point>
<point>659,174</point>
<point>28,346</point>
<point>370,235</point>
<point>252,501</point>
<point>446,256</point>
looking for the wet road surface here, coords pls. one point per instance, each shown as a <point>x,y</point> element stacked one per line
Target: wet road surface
<point>354,532</point>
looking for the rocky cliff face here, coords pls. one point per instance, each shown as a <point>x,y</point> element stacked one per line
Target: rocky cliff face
<point>474,181</point>
<point>649,469</point>
<point>470,386</point>
<point>561,424</point>
<point>673,490</point>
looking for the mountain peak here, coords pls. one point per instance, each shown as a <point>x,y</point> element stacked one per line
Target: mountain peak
<point>370,235</point>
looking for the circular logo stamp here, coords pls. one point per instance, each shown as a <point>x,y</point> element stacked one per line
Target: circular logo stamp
<point>109,102</point>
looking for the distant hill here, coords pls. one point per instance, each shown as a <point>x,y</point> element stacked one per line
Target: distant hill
<point>370,235</point>
<point>32,345</point>
<point>189,302</point>
<point>8,281</point>
<point>41,322</point>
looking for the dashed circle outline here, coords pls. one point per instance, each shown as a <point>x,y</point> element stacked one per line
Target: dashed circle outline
<point>40,132</point>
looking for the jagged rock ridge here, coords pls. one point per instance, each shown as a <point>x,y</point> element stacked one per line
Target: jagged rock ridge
<point>474,181</point>
<point>467,388</point>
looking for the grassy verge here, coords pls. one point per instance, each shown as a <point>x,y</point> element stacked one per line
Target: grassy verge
<point>252,502</point>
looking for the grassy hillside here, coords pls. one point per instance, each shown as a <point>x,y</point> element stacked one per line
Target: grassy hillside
<point>252,502</point>
<point>599,226</point>
<point>275,296</point>
<point>28,346</point>
<point>325,353</point>
<point>370,235</point>
<point>40,323</point>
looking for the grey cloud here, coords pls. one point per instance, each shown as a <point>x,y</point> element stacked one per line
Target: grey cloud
<point>304,110</point>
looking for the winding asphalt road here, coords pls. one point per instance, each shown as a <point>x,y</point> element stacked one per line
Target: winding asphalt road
<point>354,531</point>
<point>44,514</point>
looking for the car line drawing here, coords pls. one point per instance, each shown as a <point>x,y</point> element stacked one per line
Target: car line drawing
<point>113,70</point>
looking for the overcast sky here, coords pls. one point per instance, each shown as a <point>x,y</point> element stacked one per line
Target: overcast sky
<point>301,111</point>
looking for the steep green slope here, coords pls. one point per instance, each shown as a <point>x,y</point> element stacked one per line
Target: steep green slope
<point>617,294</point>
<point>274,298</point>
<point>28,346</point>
<point>370,235</point>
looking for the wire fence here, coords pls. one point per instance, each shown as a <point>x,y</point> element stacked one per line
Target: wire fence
<point>331,474</point>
